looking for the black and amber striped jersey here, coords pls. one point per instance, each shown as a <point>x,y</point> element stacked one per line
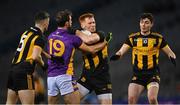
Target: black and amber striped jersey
<point>145,50</point>
<point>30,38</point>
<point>93,61</point>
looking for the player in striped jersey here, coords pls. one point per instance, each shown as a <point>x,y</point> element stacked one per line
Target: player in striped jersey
<point>145,59</point>
<point>95,75</point>
<point>27,55</point>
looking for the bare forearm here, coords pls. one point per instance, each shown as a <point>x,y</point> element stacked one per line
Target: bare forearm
<point>39,60</point>
<point>99,46</point>
<point>169,52</point>
<point>122,50</point>
<point>36,55</point>
<point>88,39</point>
<point>46,54</point>
<point>93,48</point>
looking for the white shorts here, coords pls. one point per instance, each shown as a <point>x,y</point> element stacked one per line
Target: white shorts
<point>62,84</point>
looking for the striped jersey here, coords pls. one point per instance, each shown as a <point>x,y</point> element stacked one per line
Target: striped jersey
<point>145,50</point>
<point>30,38</point>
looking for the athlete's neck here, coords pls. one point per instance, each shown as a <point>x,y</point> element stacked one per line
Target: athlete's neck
<point>40,27</point>
<point>145,33</point>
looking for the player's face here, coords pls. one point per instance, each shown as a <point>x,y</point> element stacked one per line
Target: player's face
<point>46,24</point>
<point>89,24</point>
<point>145,25</point>
<point>70,21</point>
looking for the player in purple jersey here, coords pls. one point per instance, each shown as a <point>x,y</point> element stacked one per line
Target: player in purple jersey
<point>60,75</point>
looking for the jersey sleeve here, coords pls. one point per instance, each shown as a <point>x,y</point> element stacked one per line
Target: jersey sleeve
<point>163,43</point>
<point>128,42</point>
<point>101,35</point>
<point>40,42</point>
<point>77,41</point>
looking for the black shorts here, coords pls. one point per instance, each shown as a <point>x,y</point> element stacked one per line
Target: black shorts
<point>21,77</point>
<point>98,81</point>
<point>145,79</point>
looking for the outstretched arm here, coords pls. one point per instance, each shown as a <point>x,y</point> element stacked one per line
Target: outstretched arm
<point>121,52</point>
<point>167,50</point>
<point>170,54</point>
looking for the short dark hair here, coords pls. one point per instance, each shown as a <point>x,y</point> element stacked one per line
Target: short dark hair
<point>62,17</point>
<point>85,15</point>
<point>41,15</point>
<point>147,15</point>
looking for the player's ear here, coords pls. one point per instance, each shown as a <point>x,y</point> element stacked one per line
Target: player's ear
<point>82,26</point>
<point>46,22</point>
<point>67,23</point>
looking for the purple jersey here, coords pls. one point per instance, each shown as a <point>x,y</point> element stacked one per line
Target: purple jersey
<point>61,43</point>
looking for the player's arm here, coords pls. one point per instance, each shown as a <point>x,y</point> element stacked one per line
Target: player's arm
<point>93,48</point>
<point>120,52</point>
<point>52,57</point>
<point>88,39</point>
<point>123,50</point>
<point>36,55</point>
<point>48,56</point>
<point>37,51</point>
<point>125,47</point>
<point>167,50</point>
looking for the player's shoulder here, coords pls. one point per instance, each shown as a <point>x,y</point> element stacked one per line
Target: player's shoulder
<point>35,31</point>
<point>156,34</point>
<point>55,35</point>
<point>75,37</point>
<point>134,34</point>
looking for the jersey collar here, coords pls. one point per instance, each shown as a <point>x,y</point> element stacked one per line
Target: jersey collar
<point>36,29</point>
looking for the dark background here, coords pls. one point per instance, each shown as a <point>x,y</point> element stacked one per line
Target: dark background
<point>117,16</point>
